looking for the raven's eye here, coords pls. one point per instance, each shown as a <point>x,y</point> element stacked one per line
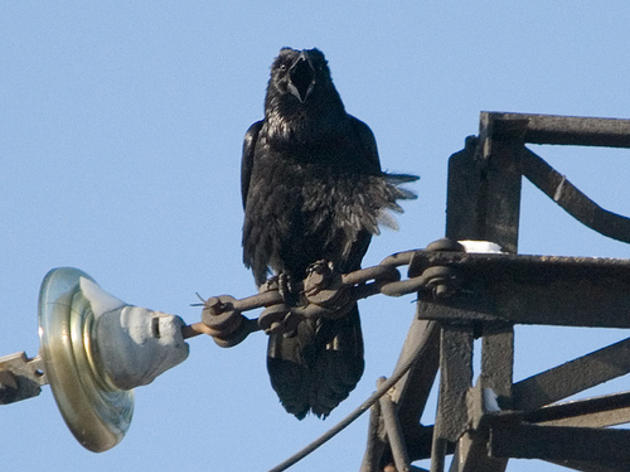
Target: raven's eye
<point>283,67</point>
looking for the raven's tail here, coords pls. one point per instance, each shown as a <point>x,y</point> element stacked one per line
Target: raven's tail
<point>319,366</point>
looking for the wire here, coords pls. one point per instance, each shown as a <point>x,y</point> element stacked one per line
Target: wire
<point>389,383</point>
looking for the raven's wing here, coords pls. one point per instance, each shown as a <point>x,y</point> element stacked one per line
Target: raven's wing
<point>247,161</point>
<point>367,144</point>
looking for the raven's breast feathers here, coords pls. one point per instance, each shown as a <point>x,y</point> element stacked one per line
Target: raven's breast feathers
<point>299,213</point>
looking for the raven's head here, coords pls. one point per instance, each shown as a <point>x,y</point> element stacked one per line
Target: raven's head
<point>299,73</point>
<point>300,89</point>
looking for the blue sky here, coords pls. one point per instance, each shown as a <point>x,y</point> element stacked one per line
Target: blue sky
<point>121,126</point>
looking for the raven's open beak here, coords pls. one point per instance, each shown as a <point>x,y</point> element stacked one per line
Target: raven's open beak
<point>302,78</point>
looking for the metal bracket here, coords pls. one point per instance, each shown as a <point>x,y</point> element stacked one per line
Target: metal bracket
<point>20,377</point>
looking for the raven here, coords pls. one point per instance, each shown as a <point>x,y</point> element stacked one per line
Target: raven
<point>312,190</point>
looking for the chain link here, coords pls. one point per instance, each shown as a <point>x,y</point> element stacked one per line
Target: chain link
<point>323,293</point>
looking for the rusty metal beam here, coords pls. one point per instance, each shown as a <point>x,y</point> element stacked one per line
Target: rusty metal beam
<point>497,361</point>
<point>572,200</point>
<point>584,466</point>
<point>456,343</point>
<point>597,412</point>
<point>483,202</point>
<point>500,189</point>
<point>573,376</point>
<point>412,391</point>
<point>472,454</point>
<point>419,442</point>
<point>474,451</point>
<point>394,432</point>
<point>560,443</point>
<point>375,444</point>
<point>569,291</point>
<point>463,193</point>
<point>554,129</point>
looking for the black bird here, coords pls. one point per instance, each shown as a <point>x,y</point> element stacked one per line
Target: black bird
<point>312,190</point>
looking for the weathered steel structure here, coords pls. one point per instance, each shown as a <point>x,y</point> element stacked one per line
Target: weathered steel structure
<point>485,424</point>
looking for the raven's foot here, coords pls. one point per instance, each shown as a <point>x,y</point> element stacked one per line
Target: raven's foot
<point>288,288</point>
<point>271,284</point>
<point>319,276</point>
<point>321,266</point>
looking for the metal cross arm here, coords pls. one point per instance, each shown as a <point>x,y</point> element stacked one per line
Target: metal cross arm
<point>548,290</point>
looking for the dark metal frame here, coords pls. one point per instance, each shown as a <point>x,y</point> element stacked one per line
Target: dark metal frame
<point>486,424</point>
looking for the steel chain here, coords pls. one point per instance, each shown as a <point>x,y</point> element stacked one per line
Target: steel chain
<point>323,293</point>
